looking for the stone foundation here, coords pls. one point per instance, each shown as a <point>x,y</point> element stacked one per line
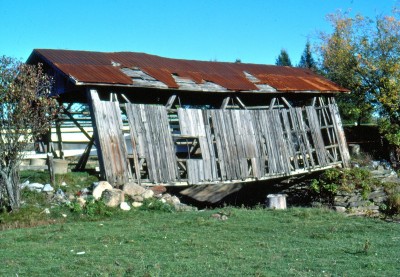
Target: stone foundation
<point>358,204</point>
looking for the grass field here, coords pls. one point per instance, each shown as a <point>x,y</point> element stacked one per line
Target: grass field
<point>258,242</point>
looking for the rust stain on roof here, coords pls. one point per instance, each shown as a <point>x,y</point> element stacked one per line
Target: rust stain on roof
<point>94,73</point>
<point>105,68</point>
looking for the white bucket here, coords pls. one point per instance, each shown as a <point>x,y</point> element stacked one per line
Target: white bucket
<point>277,201</point>
<point>60,166</point>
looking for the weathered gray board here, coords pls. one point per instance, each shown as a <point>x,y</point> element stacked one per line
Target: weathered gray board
<point>113,156</point>
<point>150,133</point>
<point>230,145</point>
<point>193,123</point>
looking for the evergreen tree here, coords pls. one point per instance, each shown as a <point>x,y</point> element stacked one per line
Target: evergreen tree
<point>307,60</point>
<point>283,59</point>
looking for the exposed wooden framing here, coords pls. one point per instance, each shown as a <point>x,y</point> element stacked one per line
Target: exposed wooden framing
<point>286,102</point>
<point>225,103</point>
<point>50,165</point>
<point>330,131</point>
<point>136,163</point>
<point>170,101</point>
<point>85,156</point>
<point>316,135</point>
<point>240,103</point>
<point>125,98</point>
<point>272,103</point>
<point>59,139</point>
<point>334,111</point>
<point>313,101</point>
<point>86,134</point>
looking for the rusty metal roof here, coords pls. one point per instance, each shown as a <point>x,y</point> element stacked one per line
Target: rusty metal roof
<point>105,68</point>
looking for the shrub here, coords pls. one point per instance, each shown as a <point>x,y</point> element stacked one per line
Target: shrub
<point>92,208</point>
<point>152,204</point>
<point>394,203</point>
<point>334,180</point>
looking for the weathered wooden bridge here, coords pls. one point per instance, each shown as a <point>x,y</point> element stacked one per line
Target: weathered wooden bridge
<point>176,122</point>
<point>206,146</point>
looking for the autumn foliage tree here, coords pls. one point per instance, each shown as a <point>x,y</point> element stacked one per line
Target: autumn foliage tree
<point>363,55</point>
<point>26,111</point>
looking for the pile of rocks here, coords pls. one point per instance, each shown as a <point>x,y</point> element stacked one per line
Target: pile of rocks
<point>114,197</point>
<point>130,196</point>
<point>356,203</point>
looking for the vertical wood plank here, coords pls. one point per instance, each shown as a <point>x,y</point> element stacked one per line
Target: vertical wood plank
<point>110,141</point>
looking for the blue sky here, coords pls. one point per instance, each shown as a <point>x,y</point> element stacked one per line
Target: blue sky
<point>225,30</point>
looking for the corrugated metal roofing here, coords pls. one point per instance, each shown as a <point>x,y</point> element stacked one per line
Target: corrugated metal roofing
<point>105,68</point>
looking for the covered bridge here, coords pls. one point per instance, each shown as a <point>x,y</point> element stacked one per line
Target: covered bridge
<point>169,121</point>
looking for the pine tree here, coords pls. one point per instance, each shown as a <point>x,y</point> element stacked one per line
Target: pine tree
<point>283,59</point>
<point>307,60</point>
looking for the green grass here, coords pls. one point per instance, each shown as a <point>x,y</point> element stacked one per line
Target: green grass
<point>295,242</point>
<point>74,180</point>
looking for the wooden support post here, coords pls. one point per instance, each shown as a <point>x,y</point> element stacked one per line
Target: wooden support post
<point>225,103</point>
<point>85,156</point>
<point>272,103</point>
<point>50,165</point>
<point>136,162</point>
<point>90,94</point>
<point>67,113</point>
<point>314,100</point>
<point>68,107</point>
<point>50,146</point>
<point>125,98</point>
<point>170,101</point>
<point>286,102</point>
<point>240,103</point>
<point>59,139</point>
<point>337,124</point>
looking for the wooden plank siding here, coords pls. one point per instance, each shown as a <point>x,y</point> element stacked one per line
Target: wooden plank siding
<point>149,129</point>
<point>110,141</point>
<point>220,145</point>
<point>195,123</point>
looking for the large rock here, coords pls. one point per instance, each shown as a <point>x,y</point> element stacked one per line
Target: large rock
<point>133,189</point>
<point>137,198</point>
<point>173,200</point>
<point>158,190</point>
<point>147,194</point>
<point>340,209</point>
<point>137,204</point>
<point>47,188</point>
<point>98,190</point>
<point>124,206</point>
<point>184,208</point>
<point>81,201</point>
<point>113,197</point>
<point>35,187</point>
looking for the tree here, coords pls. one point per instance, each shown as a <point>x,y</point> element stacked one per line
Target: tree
<point>363,55</point>
<point>283,59</point>
<point>25,113</point>
<point>306,59</point>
